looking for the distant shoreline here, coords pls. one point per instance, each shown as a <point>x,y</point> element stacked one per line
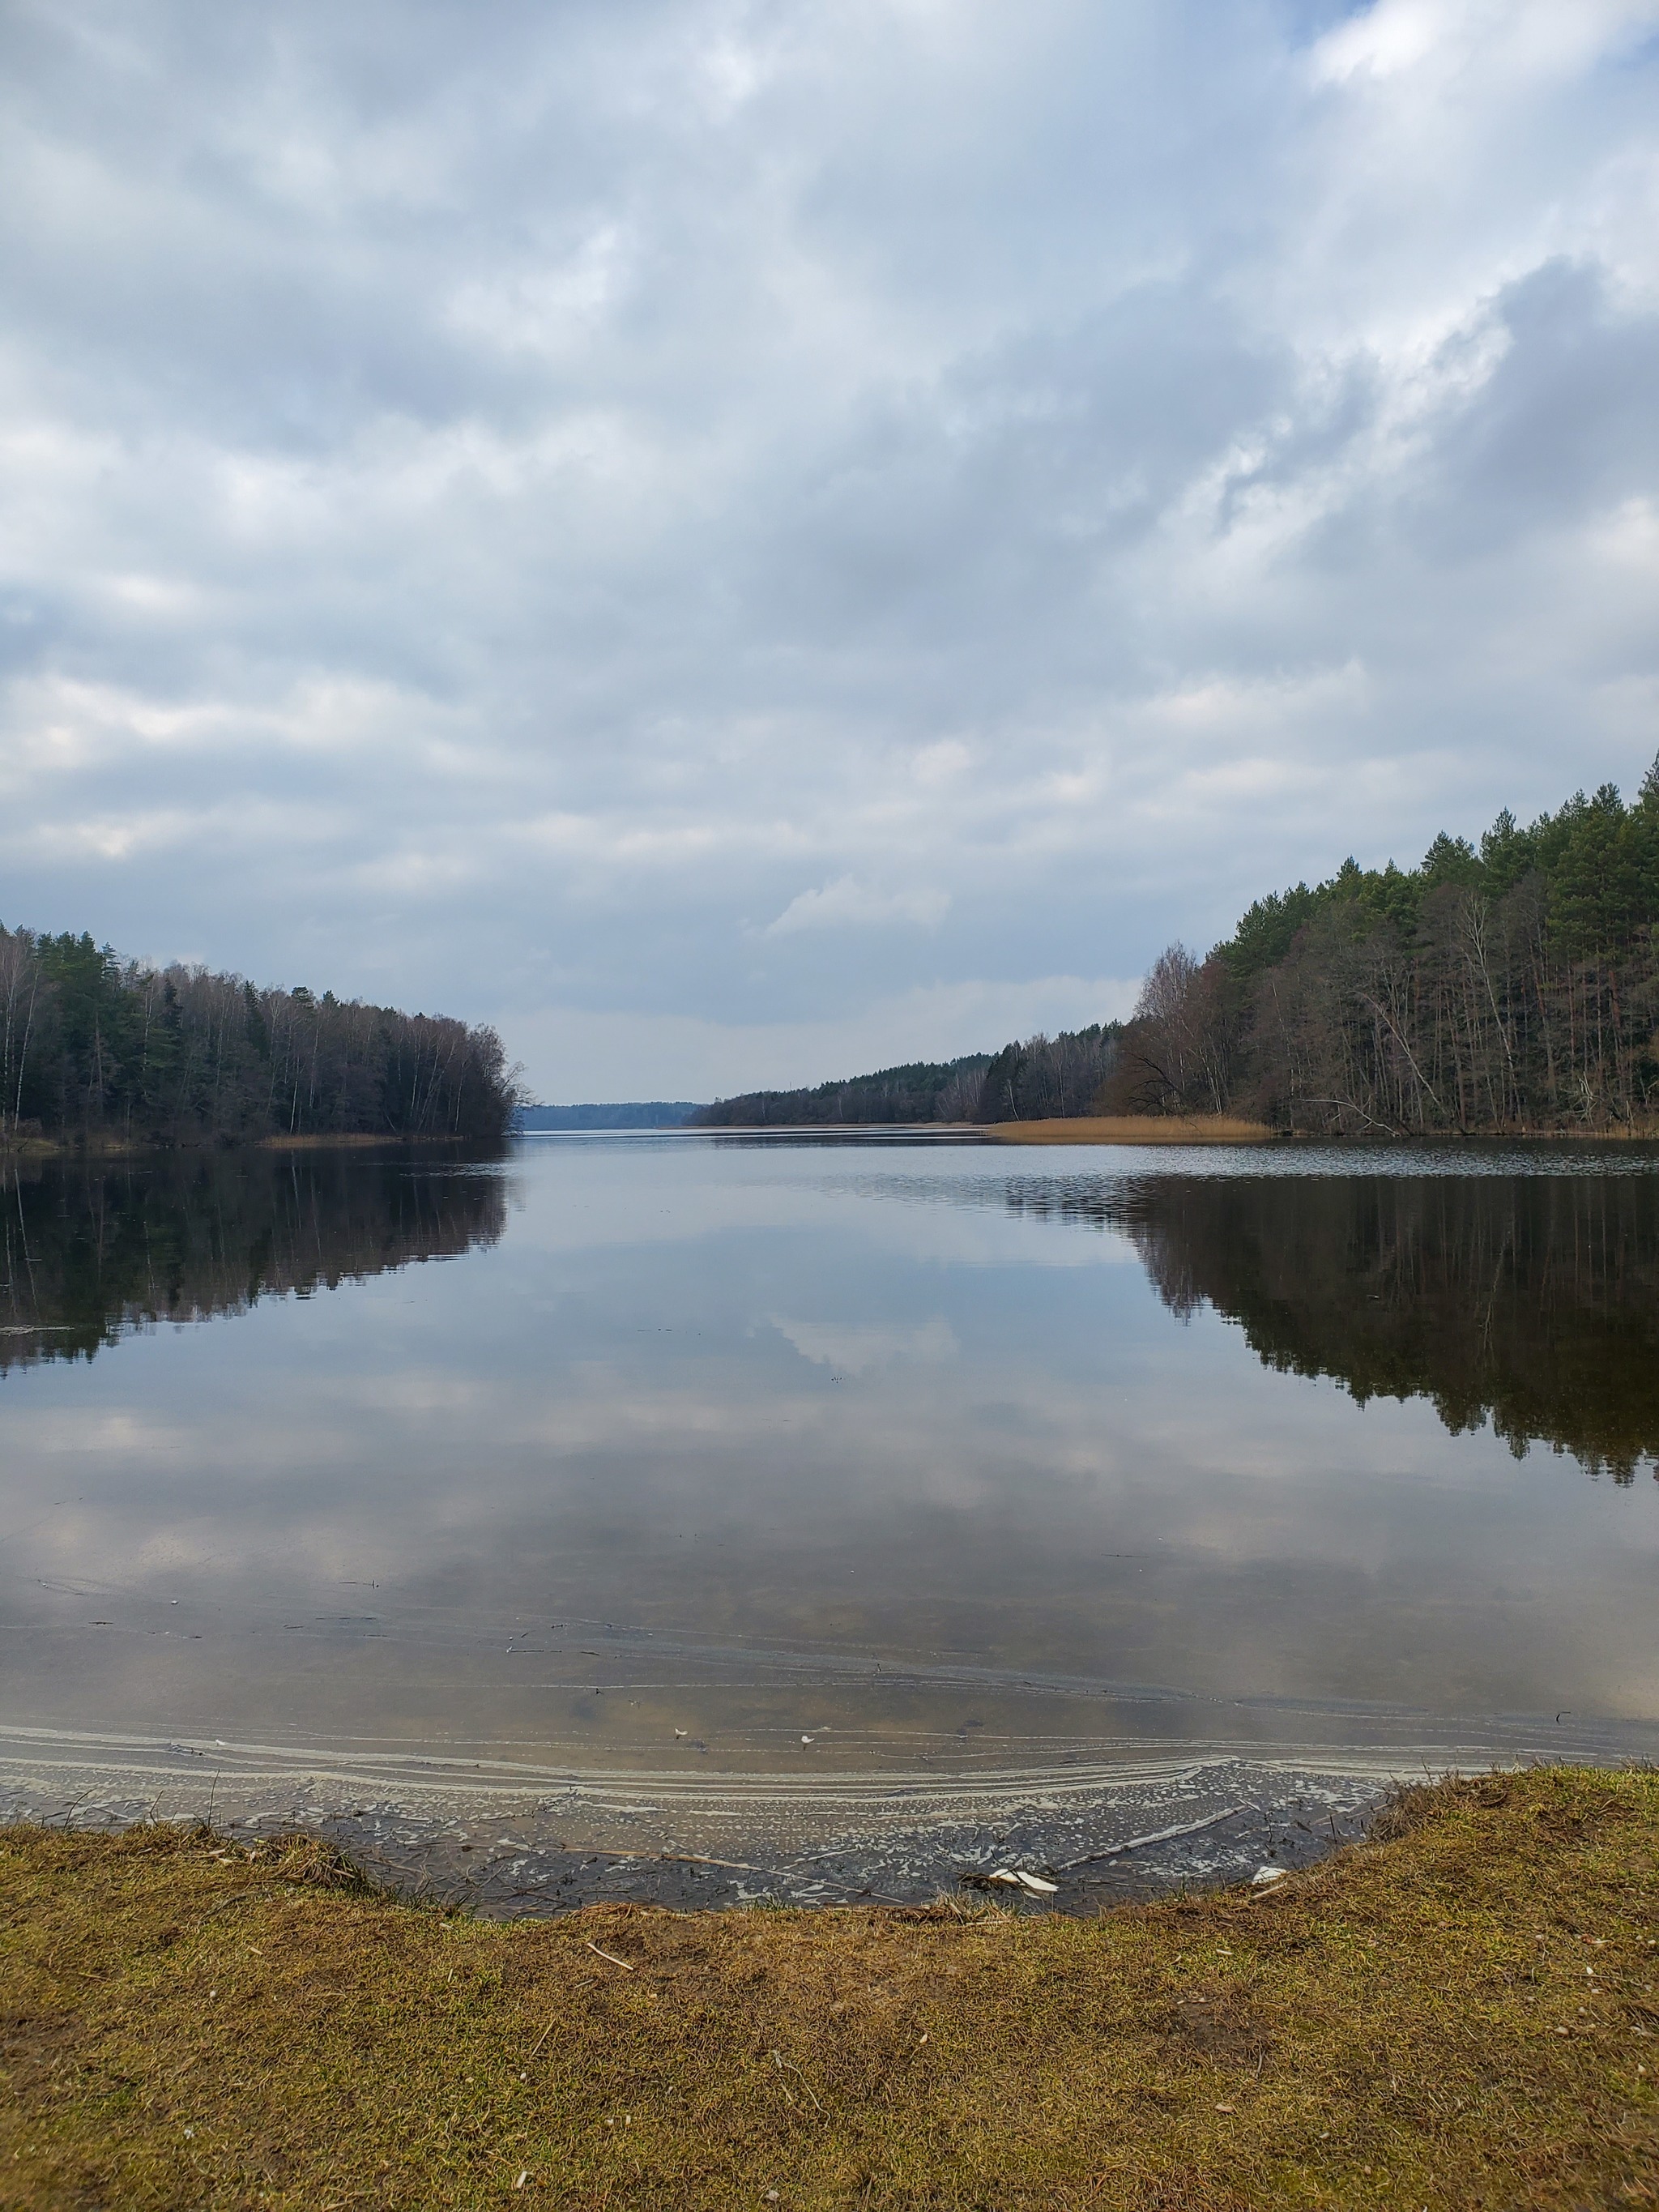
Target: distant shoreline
<point>1130,1129</point>
<point>1136,1129</point>
<point>97,1146</point>
<point>1086,1129</point>
<point>1166,1129</point>
<point>1225,1129</point>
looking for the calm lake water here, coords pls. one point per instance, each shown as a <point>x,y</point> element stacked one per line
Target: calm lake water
<point>688,1459</point>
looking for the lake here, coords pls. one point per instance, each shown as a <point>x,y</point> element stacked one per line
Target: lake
<point>885,1504</point>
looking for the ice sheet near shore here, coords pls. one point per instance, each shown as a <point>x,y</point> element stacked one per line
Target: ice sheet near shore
<point>538,1845</point>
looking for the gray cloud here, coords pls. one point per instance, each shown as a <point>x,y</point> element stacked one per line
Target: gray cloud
<point>1565,425</point>
<point>504,506</point>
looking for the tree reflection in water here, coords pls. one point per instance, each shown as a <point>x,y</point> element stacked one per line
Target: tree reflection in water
<point>91,1251</point>
<point>1531,1302</point>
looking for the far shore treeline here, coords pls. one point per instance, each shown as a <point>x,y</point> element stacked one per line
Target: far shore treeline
<point>1510,986</point>
<point>98,1049</point>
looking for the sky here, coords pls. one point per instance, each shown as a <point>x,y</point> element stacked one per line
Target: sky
<point>745,541</point>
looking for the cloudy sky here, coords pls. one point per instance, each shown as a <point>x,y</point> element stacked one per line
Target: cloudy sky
<point>745,540</point>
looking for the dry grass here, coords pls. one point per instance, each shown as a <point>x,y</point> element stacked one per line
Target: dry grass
<point>338,1140</point>
<point>1136,1129</point>
<point>1464,2014</point>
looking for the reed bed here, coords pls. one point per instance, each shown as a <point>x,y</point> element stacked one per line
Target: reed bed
<point>1136,1129</point>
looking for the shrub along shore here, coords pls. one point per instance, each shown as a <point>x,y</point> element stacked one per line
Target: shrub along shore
<point>1459,2012</point>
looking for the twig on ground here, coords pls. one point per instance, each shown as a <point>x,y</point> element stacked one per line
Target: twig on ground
<point>780,2062</point>
<point>236,1897</point>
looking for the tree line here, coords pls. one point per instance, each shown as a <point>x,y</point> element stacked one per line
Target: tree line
<point>94,1047</point>
<point>1024,1082</point>
<point>923,1090</point>
<point>1510,988</point>
<point>1507,988</point>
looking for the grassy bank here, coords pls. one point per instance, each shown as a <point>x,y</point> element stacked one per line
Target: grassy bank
<point>1463,2014</point>
<point>1136,1129</point>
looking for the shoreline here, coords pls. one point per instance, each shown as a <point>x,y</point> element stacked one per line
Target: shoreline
<point>479,1836</point>
<point>1145,1129</point>
<point>1139,1129</point>
<point>496,1837</point>
<point>1226,1129</point>
<point>1457,2011</point>
<point>122,1148</point>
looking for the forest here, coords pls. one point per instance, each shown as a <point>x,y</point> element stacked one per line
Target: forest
<point>1510,987</point>
<point>1043,1077</point>
<point>924,1090</point>
<point>95,1048</point>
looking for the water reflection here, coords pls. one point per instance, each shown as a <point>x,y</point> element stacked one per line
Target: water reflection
<point>1527,1302</point>
<point>804,1461</point>
<point>91,1251</point>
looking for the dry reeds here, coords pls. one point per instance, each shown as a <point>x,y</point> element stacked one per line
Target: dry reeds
<point>1136,1129</point>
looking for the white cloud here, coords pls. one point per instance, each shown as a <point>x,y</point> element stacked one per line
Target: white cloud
<point>703,529</point>
<point>849,902</point>
<point>1503,37</point>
